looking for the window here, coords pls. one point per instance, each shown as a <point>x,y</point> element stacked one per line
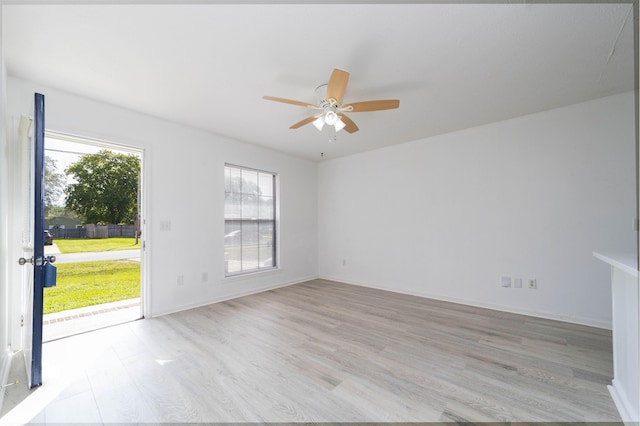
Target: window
<point>249,220</point>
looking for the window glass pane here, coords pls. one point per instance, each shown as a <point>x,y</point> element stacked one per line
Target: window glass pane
<point>233,246</point>
<point>266,185</point>
<point>232,206</point>
<point>265,208</point>
<point>249,233</point>
<point>266,233</point>
<point>250,257</point>
<point>266,257</point>
<point>249,245</point>
<point>232,234</point>
<point>232,179</point>
<point>266,244</point>
<point>233,261</point>
<point>249,206</point>
<point>249,182</point>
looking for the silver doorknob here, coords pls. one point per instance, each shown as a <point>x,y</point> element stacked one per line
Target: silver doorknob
<point>22,261</point>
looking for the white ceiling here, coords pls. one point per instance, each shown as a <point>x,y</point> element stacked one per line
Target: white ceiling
<point>453,66</point>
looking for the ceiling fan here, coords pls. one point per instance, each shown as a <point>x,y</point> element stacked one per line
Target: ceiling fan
<point>332,108</point>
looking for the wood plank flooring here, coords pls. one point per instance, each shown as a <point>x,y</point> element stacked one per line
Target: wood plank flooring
<point>323,351</point>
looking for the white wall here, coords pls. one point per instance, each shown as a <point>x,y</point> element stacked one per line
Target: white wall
<point>4,202</point>
<point>531,197</point>
<point>185,186</point>
<point>443,217</point>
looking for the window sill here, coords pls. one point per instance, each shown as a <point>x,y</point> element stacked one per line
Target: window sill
<point>248,275</point>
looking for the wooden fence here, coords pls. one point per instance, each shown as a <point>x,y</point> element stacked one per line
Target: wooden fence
<point>95,231</point>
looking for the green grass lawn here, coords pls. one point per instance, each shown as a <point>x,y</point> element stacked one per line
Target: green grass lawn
<point>84,245</point>
<point>92,283</point>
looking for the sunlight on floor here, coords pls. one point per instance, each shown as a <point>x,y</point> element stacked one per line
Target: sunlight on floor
<point>63,366</point>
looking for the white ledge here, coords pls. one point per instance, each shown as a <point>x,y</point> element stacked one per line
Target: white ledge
<point>627,262</point>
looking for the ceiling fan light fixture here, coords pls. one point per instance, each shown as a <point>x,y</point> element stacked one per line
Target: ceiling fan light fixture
<point>331,118</point>
<point>330,108</point>
<point>318,123</point>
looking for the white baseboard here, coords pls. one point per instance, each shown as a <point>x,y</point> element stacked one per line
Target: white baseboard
<point>628,414</point>
<point>546,315</point>
<point>233,296</point>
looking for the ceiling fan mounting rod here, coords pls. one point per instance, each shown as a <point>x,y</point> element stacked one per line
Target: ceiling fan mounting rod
<point>326,106</point>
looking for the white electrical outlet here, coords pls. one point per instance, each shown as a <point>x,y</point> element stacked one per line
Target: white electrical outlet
<point>344,262</point>
<point>165,225</point>
<point>532,284</point>
<point>517,283</point>
<point>205,277</point>
<point>180,280</point>
<point>506,281</point>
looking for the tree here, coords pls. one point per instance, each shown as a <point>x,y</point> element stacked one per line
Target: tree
<point>106,188</point>
<point>55,183</point>
<point>61,211</point>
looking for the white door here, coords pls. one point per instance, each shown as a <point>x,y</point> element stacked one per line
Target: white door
<point>32,261</point>
<point>26,161</point>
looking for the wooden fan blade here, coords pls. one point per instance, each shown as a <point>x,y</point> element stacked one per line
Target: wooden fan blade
<point>289,101</point>
<point>303,122</point>
<point>374,105</point>
<point>350,126</point>
<point>337,85</point>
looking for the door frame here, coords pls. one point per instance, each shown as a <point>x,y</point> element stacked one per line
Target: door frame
<point>142,187</point>
<point>15,330</point>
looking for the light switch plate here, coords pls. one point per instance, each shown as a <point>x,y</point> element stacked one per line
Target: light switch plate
<point>506,281</point>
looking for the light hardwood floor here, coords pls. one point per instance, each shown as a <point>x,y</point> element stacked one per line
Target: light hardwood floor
<point>322,351</point>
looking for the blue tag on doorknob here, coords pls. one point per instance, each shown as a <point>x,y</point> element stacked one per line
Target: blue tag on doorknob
<point>49,275</point>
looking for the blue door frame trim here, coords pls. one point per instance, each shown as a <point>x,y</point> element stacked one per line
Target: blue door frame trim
<point>38,243</point>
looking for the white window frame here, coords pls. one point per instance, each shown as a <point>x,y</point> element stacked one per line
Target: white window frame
<point>242,219</point>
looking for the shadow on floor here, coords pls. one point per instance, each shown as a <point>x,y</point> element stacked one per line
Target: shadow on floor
<point>16,392</point>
